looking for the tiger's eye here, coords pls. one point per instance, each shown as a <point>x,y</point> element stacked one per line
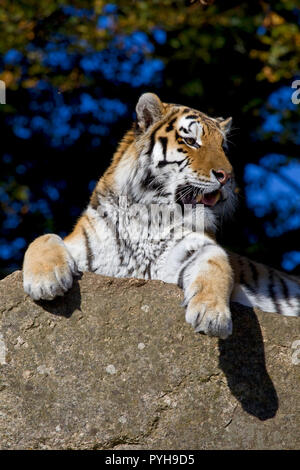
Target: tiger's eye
<point>190,140</point>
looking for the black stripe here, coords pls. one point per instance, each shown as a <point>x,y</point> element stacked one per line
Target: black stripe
<point>285,289</point>
<point>153,133</point>
<point>192,116</point>
<point>188,255</point>
<point>183,167</point>
<point>148,271</point>
<point>271,289</point>
<point>170,126</point>
<point>191,123</point>
<point>183,129</point>
<point>152,139</point>
<point>89,253</point>
<point>164,162</point>
<point>285,292</point>
<point>164,143</point>
<point>149,182</point>
<point>152,142</point>
<point>117,233</point>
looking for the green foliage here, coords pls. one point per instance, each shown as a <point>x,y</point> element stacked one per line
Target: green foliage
<point>265,31</point>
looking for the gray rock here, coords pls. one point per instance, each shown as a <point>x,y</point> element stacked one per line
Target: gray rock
<point>113,365</point>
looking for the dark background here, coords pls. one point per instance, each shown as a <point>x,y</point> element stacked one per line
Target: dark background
<point>73,75</point>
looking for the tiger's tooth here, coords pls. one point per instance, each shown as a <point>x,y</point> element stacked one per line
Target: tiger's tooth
<point>218,195</point>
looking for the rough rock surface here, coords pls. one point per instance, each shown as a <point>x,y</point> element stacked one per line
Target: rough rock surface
<point>113,365</point>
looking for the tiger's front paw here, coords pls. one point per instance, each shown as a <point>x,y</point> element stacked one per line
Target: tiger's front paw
<point>213,319</point>
<point>48,268</point>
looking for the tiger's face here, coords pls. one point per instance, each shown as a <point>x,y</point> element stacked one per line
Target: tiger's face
<point>181,158</point>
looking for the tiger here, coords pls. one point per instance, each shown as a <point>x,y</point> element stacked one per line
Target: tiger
<point>173,157</point>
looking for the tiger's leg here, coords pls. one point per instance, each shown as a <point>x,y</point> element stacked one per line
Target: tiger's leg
<point>206,277</point>
<point>50,263</point>
<point>48,268</point>
<point>207,297</point>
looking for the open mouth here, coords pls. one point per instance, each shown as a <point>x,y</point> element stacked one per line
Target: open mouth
<point>192,195</point>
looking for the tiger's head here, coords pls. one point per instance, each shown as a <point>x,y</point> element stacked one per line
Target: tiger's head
<point>175,154</point>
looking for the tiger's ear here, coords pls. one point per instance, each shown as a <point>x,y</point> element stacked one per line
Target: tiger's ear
<point>225,124</point>
<point>149,110</point>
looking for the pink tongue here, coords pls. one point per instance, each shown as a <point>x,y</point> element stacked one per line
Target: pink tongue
<point>210,199</point>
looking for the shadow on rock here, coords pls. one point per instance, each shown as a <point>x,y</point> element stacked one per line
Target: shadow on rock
<point>242,359</point>
<point>66,305</point>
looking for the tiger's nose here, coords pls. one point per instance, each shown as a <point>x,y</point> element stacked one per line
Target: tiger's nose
<point>222,176</point>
